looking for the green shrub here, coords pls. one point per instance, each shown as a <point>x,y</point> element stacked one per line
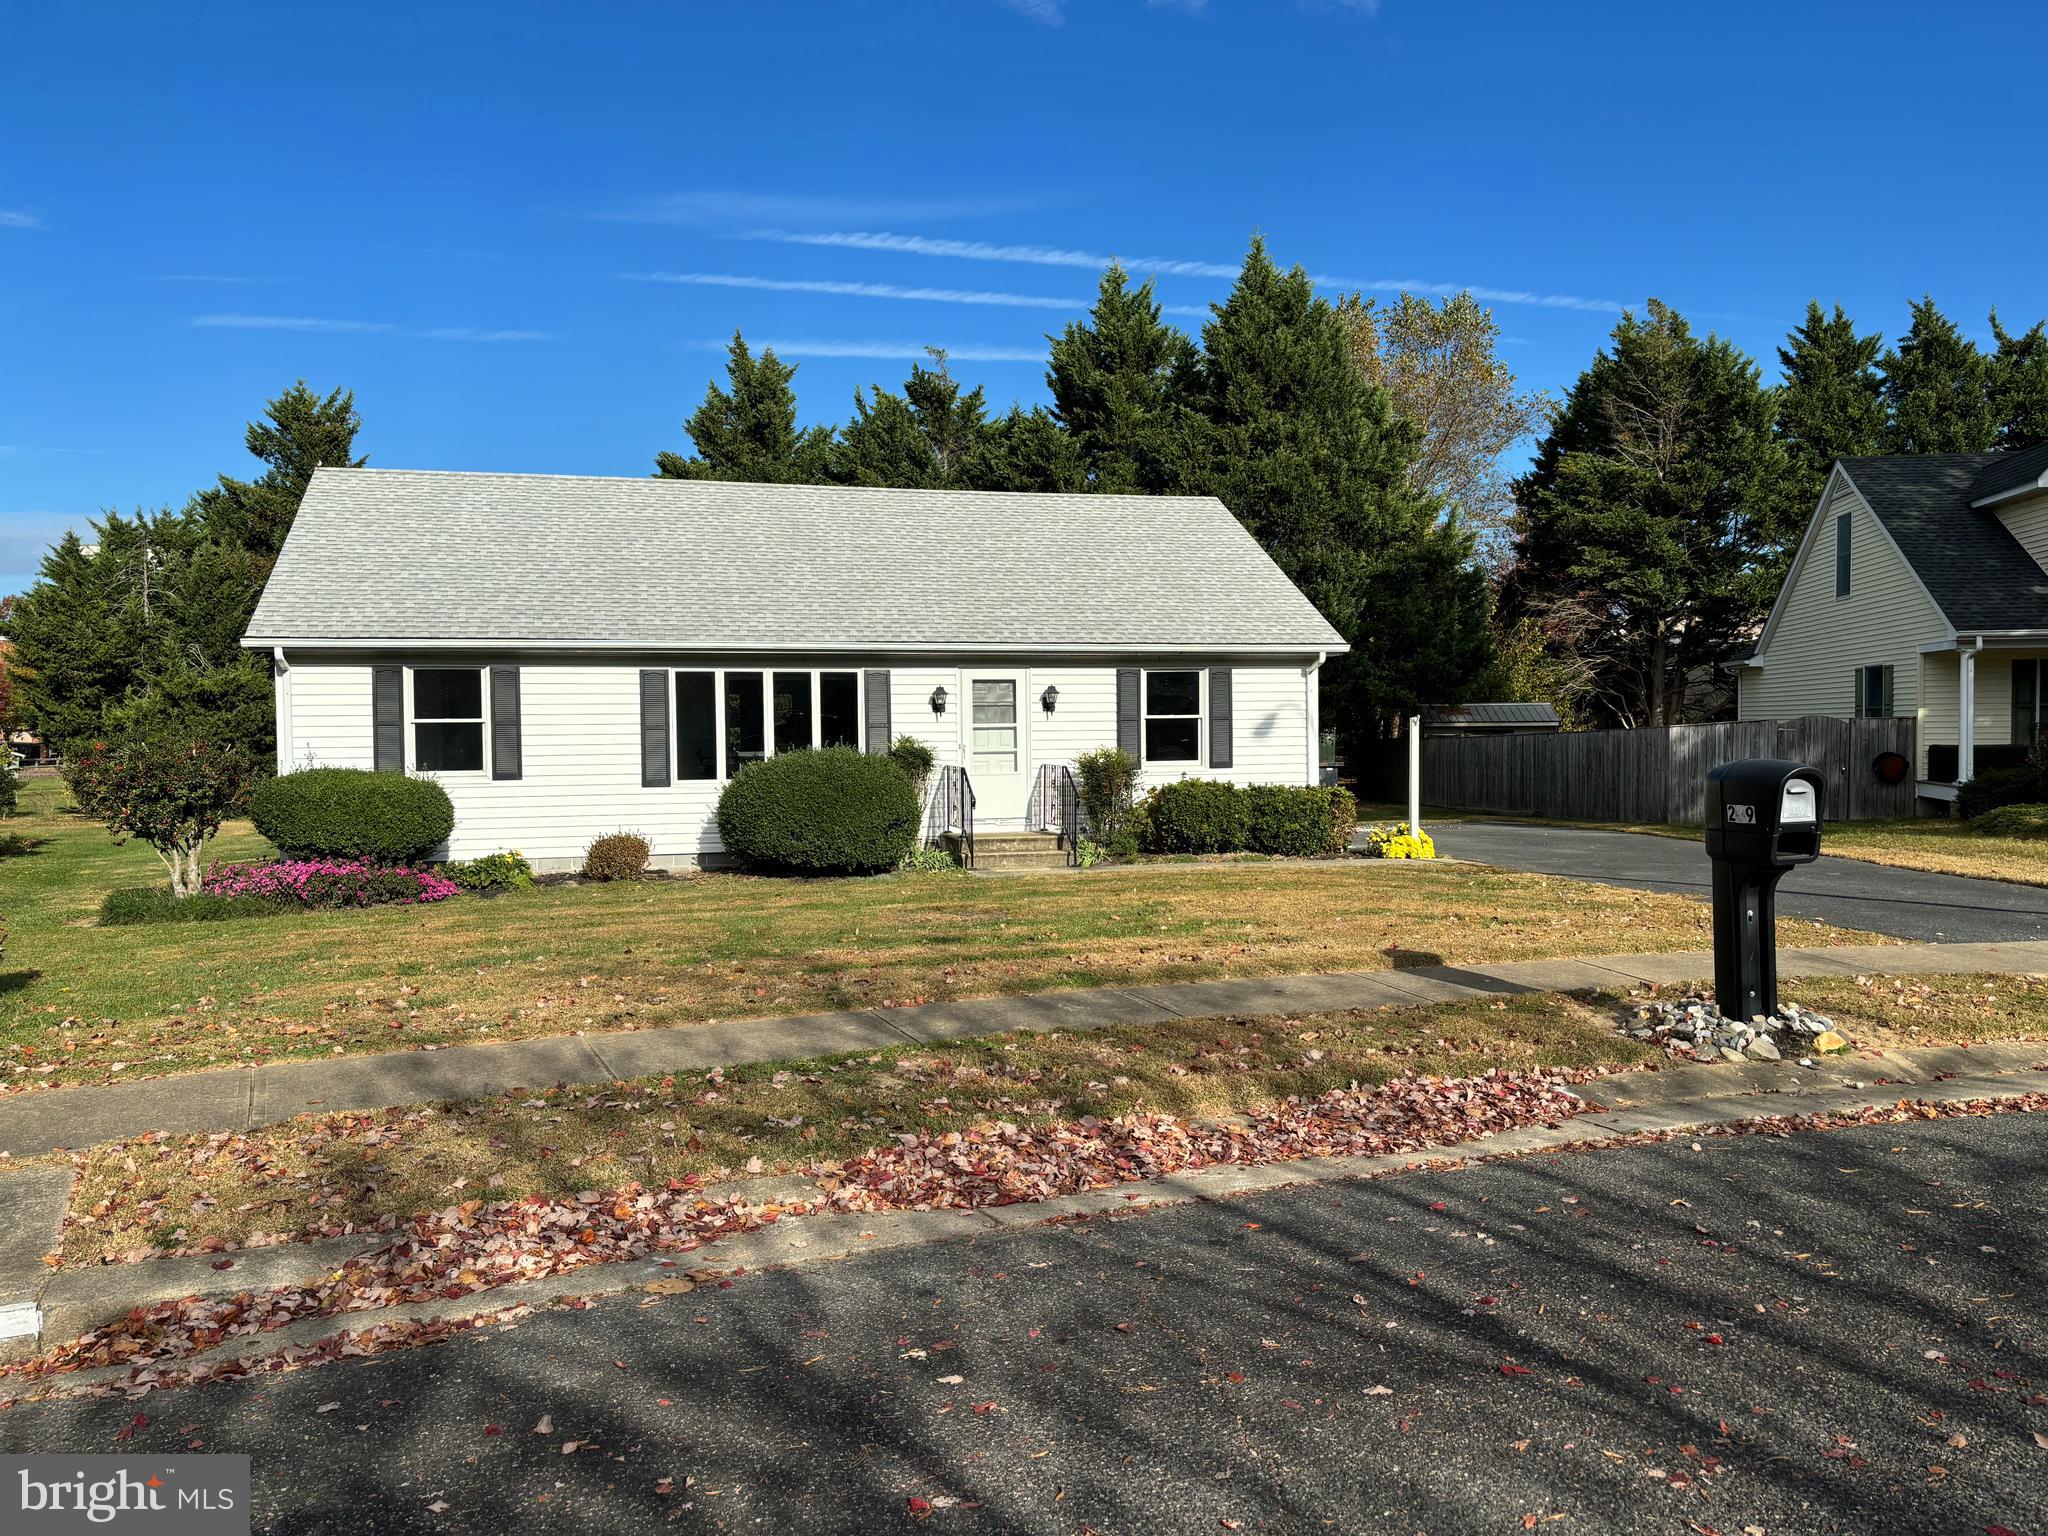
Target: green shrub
<point>1995,787</point>
<point>154,904</point>
<point>916,760</point>
<point>1343,816</point>
<point>835,811</point>
<point>10,787</point>
<point>1106,780</point>
<point>492,872</point>
<point>929,861</point>
<point>2013,821</point>
<point>1088,853</point>
<point>352,813</point>
<point>1198,816</point>
<point>616,856</point>
<point>1287,820</point>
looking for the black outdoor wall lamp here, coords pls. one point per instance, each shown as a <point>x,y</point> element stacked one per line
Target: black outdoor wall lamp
<point>938,701</point>
<point>1049,698</point>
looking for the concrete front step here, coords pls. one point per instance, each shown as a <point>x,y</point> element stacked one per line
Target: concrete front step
<point>1010,849</point>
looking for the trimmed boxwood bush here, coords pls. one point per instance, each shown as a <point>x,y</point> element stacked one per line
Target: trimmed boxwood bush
<point>352,813</point>
<point>1995,787</point>
<point>616,856</point>
<point>830,812</point>
<point>1294,823</point>
<point>1199,816</point>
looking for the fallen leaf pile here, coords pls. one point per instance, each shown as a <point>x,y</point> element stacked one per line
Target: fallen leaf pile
<point>1002,1163</point>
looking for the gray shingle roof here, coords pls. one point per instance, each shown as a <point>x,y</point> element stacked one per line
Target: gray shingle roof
<point>395,555</point>
<point>1974,568</point>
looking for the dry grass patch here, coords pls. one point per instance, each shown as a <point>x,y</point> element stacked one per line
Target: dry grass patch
<point>1898,1012</point>
<point>335,1173</point>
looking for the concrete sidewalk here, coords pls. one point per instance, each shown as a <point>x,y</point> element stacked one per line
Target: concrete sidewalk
<point>39,1121</point>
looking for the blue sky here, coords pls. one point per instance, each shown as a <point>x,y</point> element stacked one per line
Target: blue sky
<point>521,233</point>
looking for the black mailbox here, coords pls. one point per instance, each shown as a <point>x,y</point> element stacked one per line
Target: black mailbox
<point>1763,818</point>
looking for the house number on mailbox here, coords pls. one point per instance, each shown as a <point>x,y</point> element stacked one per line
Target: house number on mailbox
<point>1741,815</point>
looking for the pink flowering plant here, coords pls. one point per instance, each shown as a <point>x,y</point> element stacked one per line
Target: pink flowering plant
<point>329,883</point>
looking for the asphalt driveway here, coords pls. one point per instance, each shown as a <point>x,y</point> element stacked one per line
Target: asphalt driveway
<point>1906,903</point>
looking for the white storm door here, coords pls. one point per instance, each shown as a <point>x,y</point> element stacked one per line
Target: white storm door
<point>998,750</point>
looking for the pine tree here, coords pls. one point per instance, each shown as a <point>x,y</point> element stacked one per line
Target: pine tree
<point>1027,451</point>
<point>1119,382</point>
<point>1311,457</point>
<point>1937,389</point>
<point>749,431</point>
<point>301,431</point>
<point>1830,405</point>
<point>2019,385</point>
<point>926,438</point>
<point>1659,502</point>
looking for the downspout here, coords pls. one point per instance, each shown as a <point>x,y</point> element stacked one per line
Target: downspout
<point>281,700</point>
<point>1312,712</point>
<point>1966,710</point>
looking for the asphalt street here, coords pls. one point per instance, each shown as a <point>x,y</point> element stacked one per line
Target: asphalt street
<point>1829,1332</point>
<point>1906,903</point>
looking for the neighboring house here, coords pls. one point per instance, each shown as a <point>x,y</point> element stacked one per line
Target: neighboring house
<point>1491,720</point>
<point>571,656</point>
<point>1920,589</point>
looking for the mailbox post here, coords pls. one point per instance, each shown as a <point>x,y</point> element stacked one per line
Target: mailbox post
<point>1763,818</point>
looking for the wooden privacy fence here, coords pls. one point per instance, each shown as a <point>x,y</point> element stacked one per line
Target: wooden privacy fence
<point>1659,773</point>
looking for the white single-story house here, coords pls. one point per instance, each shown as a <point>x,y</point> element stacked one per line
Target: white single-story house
<point>1919,589</point>
<point>572,655</point>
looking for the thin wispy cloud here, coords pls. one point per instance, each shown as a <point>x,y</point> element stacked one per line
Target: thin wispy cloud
<point>912,349</point>
<point>858,290</point>
<point>20,218</point>
<point>1048,13</point>
<point>729,210</point>
<point>1165,266</point>
<point>320,325</point>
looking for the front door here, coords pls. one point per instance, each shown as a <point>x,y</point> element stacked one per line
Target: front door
<point>998,752</point>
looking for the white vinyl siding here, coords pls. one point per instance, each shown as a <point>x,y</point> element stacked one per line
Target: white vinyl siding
<point>1820,640</point>
<point>580,732</point>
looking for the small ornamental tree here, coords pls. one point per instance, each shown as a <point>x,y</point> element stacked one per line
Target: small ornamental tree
<point>172,795</point>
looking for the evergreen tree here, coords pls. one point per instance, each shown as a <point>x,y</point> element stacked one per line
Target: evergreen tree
<point>1119,381</point>
<point>749,432</point>
<point>1830,405</point>
<point>2019,385</point>
<point>1659,501</point>
<point>1937,389</point>
<point>1313,460</point>
<point>301,431</point>
<point>1027,451</point>
<point>926,438</point>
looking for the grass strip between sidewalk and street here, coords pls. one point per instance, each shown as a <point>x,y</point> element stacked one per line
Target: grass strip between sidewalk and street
<point>326,1175</point>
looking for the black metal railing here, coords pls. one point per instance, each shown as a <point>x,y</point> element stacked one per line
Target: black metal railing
<point>1070,814</point>
<point>956,809</point>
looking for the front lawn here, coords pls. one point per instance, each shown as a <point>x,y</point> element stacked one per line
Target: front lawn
<point>85,1003</point>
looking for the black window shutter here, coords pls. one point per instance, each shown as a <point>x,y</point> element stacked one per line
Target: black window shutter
<point>506,761</point>
<point>1129,730</point>
<point>1220,744</point>
<point>1842,555</point>
<point>387,718</point>
<point>654,752</point>
<point>2025,699</point>
<point>1886,711</point>
<point>1859,693</point>
<point>876,685</point>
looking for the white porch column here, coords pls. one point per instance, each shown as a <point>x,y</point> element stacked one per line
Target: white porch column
<point>281,699</point>
<point>1966,708</point>
<point>1415,775</point>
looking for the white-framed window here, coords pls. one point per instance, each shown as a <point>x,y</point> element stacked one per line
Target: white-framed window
<point>727,718</point>
<point>448,720</point>
<point>1173,716</point>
